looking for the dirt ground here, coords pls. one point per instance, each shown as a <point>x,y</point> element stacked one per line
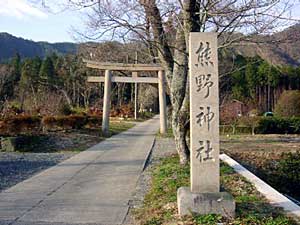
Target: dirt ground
<point>259,149</point>
<point>261,144</point>
<point>262,155</point>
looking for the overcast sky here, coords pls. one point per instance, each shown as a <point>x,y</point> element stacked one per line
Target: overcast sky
<point>21,19</point>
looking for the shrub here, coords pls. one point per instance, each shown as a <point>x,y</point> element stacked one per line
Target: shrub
<point>11,109</point>
<point>31,125</point>
<point>53,123</point>
<point>95,111</point>
<point>125,111</point>
<point>288,104</point>
<point>79,111</point>
<point>65,109</point>
<point>24,143</point>
<point>94,121</point>
<point>20,124</point>
<point>275,125</point>
<point>146,115</point>
<point>287,175</point>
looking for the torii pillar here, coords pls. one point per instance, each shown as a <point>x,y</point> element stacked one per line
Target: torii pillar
<point>162,102</point>
<point>106,103</point>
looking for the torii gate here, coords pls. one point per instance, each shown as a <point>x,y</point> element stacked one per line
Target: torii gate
<point>134,68</point>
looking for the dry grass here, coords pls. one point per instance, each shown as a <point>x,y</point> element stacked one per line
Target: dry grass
<point>160,205</point>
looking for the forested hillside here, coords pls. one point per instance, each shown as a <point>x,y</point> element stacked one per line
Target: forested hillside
<point>57,84</point>
<point>11,45</point>
<point>40,79</point>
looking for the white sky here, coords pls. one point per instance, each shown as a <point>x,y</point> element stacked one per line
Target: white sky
<point>21,18</point>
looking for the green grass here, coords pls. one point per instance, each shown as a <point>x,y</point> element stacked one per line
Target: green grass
<point>114,128</point>
<point>168,134</point>
<point>118,127</point>
<point>160,205</point>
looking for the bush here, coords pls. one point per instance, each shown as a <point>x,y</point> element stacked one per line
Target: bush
<point>54,123</point>
<point>94,121</point>
<point>287,175</point>
<point>94,111</point>
<point>146,115</point>
<point>32,125</point>
<point>20,124</point>
<point>275,125</point>
<point>288,104</point>
<point>79,111</point>
<point>10,109</point>
<point>65,109</point>
<point>24,143</point>
<point>227,129</point>
<point>125,111</point>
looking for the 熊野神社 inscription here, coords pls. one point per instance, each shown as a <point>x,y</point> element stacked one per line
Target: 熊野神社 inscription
<point>204,111</point>
<point>204,196</point>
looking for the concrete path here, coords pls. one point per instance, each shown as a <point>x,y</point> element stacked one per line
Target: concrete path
<point>93,187</point>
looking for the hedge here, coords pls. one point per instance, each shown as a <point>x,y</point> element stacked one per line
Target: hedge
<point>53,123</point>
<point>275,125</point>
<point>285,176</point>
<point>228,129</point>
<point>20,124</point>
<point>27,124</point>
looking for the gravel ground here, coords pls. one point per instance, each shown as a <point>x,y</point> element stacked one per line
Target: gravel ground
<point>162,147</point>
<point>16,167</point>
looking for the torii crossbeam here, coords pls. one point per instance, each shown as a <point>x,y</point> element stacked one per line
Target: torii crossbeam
<point>134,68</point>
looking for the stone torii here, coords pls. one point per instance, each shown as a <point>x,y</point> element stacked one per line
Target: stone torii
<point>134,68</point>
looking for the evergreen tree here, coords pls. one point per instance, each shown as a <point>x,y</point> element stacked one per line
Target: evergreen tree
<point>47,72</point>
<point>16,64</point>
<point>30,74</point>
<point>15,76</point>
<point>251,78</point>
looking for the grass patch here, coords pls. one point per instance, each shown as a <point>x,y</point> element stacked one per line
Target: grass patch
<point>114,128</point>
<point>160,206</point>
<point>168,134</point>
<point>118,127</point>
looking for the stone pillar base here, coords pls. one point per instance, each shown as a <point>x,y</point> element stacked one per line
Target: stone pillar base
<point>221,203</point>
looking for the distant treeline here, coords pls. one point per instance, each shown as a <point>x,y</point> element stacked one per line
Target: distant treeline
<point>53,85</point>
<point>48,85</point>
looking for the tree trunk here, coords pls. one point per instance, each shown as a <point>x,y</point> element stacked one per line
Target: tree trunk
<point>253,129</point>
<point>269,98</point>
<point>74,93</point>
<point>176,67</point>
<point>179,98</point>
<point>179,126</point>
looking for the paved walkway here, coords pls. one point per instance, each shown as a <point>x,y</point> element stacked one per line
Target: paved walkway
<point>93,187</point>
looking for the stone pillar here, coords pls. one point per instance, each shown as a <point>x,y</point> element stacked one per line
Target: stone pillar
<point>204,195</point>
<point>106,103</point>
<point>204,113</point>
<point>136,101</point>
<point>162,102</point>
<point>135,75</point>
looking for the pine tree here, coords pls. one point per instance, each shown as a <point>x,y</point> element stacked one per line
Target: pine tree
<point>47,72</point>
<point>15,76</point>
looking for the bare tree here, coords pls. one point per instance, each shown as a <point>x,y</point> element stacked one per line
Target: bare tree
<point>164,27</point>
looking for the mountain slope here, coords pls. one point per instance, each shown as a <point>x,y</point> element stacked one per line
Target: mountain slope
<point>282,48</point>
<point>10,45</point>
